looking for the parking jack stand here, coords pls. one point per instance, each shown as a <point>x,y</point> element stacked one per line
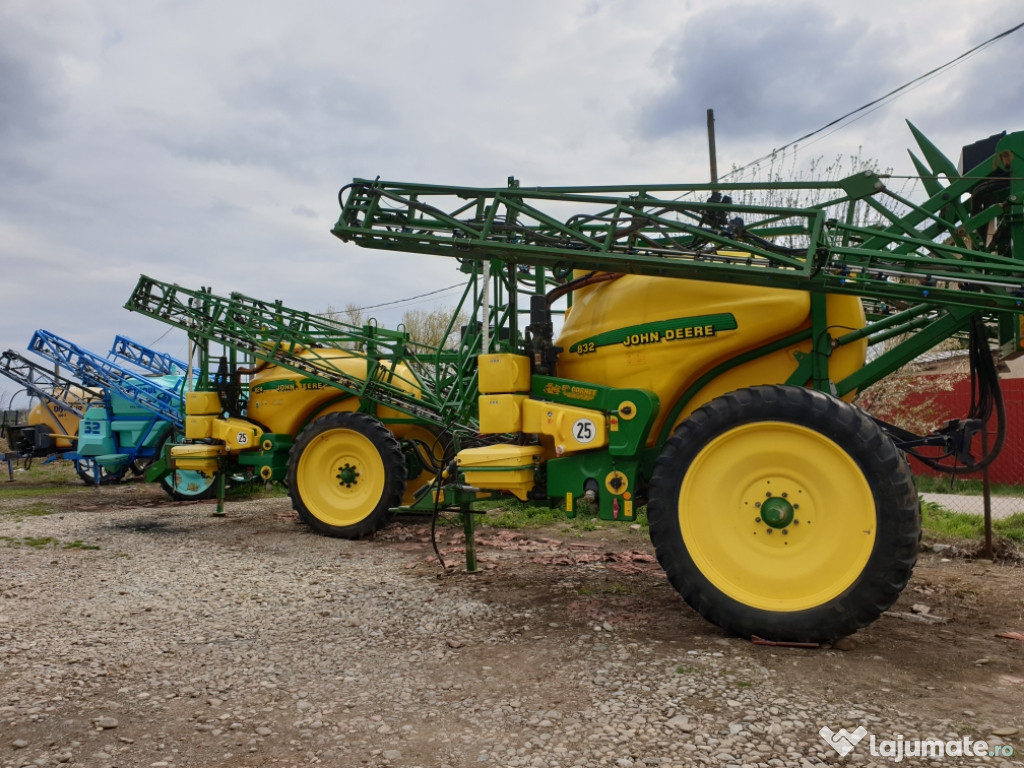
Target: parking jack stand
<point>221,485</point>
<point>469,527</point>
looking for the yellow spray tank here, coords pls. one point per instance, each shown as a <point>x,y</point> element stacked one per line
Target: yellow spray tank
<point>690,341</point>
<point>284,400</point>
<point>60,423</point>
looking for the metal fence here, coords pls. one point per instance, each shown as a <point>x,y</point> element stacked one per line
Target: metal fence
<point>924,402</point>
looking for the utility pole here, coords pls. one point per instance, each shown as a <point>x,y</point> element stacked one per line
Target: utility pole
<point>711,146</point>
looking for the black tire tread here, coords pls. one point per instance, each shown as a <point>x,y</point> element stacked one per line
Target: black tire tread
<point>106,478</point>
<point>390,451</point>
<point>885,468</point>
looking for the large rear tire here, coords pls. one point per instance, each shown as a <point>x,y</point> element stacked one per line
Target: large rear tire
<point>346,472</point>
<point>784,513</point>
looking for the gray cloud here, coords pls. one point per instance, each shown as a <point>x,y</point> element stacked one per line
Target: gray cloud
<point>32,101</point>
<point>768,70</point>
<point>287,118</point>
<point>184,141</point>
<point>982,94</point>
<point>29,102</point>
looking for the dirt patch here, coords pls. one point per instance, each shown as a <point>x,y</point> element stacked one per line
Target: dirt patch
<point>246,640</point>
<point>940,649</point>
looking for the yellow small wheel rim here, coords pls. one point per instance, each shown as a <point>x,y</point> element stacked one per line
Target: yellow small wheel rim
<point>341,474</point>
<point>777,516</point>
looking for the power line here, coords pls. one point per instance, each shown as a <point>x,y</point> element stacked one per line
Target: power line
<point>410,298</point>
<point>876,103</point>
<point>153,343</point>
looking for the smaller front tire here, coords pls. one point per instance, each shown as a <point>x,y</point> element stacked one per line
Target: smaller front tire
<point>185,484</point>
<point>346,473</point>
<point>189,485</point>
<point>87,468</point>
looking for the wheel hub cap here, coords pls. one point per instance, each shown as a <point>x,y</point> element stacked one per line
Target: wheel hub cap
<point>347,475</point>
<point>777,512</point>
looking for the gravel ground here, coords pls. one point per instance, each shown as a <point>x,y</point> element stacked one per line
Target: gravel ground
<point>135,632</point>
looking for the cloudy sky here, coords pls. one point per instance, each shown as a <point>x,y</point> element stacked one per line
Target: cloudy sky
<point>203,141</point>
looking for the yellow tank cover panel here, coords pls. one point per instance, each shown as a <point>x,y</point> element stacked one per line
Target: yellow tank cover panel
<point>504,373</point>
<point>501,414</point>
<point>237,434</point>
<point>283,401</point>
<point>199,427</point>
<point>197,458</point>
<point>499,456</point>
<point>202,403</point>
<point>665,334</point>
<point>573,429</point>
<point>501,467</point>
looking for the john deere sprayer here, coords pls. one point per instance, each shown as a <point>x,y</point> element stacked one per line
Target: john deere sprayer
<point>692,348</point>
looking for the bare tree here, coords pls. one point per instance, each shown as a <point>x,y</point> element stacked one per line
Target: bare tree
<point>785,166</point>
<point>351,315</point>
<point>434,328</point>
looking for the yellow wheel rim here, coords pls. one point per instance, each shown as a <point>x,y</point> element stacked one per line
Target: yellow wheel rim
<point>777,516</point>
<point>341,474</point>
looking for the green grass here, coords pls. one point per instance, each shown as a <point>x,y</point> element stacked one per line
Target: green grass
<point>940,523</point>
<point>78,544</point>
<point>964,486</point>
<point>614,588</point>
<point>515,514</point>
<point>43,542</point>
<point>36,542</point>
<point>60,477</point>
<point>41,479</point>
<point>36,509</point>
<point>256,489</point>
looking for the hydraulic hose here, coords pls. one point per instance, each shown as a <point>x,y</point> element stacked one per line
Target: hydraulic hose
<point>986,399</point>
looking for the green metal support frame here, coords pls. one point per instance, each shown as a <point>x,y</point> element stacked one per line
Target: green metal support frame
<point>916,266</point>
<point>921,269</point>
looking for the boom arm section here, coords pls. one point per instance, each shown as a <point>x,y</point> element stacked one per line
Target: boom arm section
<point>963,247</point>
<point>46,384</point>
<point>419,380</point>
<point>131,351</point>
<point>152,394</point>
